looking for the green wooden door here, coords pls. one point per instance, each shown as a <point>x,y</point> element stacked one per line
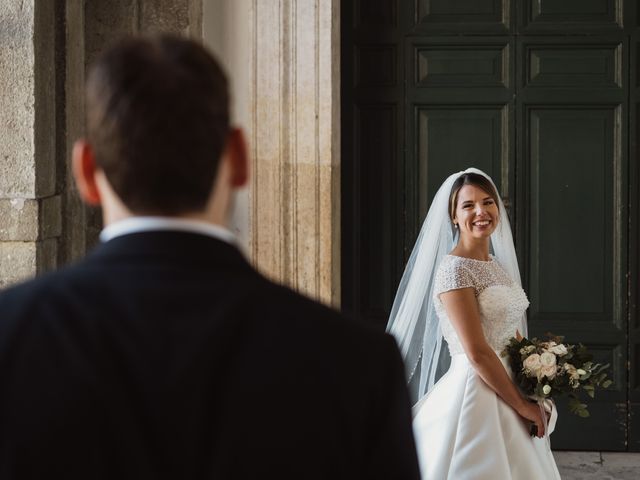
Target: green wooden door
<point>543,96</point>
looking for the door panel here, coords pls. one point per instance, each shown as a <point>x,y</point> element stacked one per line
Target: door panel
<point>570,168</point>
<point>572,15</point>
<point>488,16</point>
<point>460,65</point>
<point>575,248</point>
<point>582,66</point>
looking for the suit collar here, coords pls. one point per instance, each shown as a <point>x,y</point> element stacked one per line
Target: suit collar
<point>169,247</point>
<point>138,224</point>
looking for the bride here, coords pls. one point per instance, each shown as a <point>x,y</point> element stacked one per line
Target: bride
<point>473,423</point>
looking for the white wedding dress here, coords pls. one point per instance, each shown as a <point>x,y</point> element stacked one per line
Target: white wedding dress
<point>463,429</point>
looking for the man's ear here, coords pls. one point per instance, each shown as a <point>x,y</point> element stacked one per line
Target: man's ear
<point>84,169</point>
<point>238,158</point>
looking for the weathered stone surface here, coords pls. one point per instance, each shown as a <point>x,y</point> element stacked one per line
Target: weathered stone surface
<point>163,16</point>
<point>17,172</point>
<point>29,219</point>
<point>598,466</point>
<point>29,211</point>
<point>19,261</point>
<point>18,219</point>
<point>27,148</point>
<point>44,128</point>
<point>50,218</point>
<point>106,22</point>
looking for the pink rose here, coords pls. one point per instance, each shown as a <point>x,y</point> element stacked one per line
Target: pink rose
<point>532,363</point>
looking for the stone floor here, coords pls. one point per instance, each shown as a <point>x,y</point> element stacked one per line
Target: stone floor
<point>598,465</point>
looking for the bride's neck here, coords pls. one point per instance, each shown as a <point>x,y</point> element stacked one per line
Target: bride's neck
<point>476,248</point>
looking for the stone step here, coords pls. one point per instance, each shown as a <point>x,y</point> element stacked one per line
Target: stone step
<point>598,465</point>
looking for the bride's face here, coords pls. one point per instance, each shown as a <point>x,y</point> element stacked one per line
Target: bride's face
<point>476,212</point>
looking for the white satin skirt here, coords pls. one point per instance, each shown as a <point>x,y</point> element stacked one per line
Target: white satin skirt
<point>463,431</point>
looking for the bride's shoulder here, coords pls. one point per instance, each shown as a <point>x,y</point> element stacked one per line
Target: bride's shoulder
<point>454,272</point>
<point>453,262</point>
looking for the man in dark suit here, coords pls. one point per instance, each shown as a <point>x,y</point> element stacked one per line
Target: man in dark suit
<point>164,354</point>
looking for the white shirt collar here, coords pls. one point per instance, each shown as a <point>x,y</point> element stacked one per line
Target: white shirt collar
<point>148,224</point>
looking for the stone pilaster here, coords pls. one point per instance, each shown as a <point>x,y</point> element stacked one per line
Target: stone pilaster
<point>295,191</point>
<point>29,206</point>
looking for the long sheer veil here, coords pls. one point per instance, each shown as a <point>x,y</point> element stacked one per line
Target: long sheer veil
<point>413,320</point>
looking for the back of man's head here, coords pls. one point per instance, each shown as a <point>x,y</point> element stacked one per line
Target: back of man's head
<point>158,119</point>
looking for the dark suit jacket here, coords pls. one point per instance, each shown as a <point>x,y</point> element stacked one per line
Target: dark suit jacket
<point>166,355</point>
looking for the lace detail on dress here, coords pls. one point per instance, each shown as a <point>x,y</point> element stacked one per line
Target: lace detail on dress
<point>501,301</point>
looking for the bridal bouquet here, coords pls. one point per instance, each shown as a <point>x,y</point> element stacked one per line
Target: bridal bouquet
<point>551,369</point>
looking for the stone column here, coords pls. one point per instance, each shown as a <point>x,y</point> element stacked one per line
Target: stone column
<point>30,219</point>
<point>295,138</point>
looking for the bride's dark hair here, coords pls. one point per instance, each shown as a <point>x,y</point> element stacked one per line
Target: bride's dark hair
<point>474,179</point>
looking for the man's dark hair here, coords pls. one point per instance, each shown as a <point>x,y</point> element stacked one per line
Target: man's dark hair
<point>158,119</point>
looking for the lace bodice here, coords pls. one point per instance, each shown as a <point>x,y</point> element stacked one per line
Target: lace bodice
<point>501,301</point>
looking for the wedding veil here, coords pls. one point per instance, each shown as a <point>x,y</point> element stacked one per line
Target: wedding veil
<point>413,320</point>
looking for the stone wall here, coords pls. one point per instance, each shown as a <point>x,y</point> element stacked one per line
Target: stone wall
<point>285,85</point>
<point>30,222</point>
<point>45,49</point>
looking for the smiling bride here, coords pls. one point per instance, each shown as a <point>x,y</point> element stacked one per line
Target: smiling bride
<point>473,423</point>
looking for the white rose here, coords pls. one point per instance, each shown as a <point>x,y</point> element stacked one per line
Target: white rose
<point>548,359</point>
<point>558,349</point>
<point>548,371</point>
<point>532,363</point>
<point>546,389</point>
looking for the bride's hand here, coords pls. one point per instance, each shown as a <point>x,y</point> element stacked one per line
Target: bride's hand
<point>531,412</point>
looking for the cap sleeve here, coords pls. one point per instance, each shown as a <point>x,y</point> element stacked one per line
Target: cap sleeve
<point>453,274</point>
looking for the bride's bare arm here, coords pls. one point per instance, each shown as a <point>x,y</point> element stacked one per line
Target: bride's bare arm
<point>462,309</point>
